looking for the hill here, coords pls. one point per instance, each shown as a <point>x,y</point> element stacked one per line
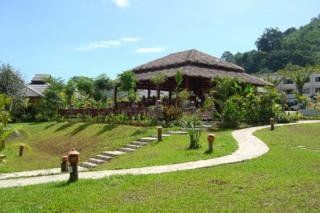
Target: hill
<point>275,49</point>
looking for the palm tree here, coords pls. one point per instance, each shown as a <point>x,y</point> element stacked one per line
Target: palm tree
<point>158,80</point>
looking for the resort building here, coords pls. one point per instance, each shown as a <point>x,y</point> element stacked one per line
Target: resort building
<point>35,89</point>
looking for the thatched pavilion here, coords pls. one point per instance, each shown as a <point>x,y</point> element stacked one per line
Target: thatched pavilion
<point>198,70</point>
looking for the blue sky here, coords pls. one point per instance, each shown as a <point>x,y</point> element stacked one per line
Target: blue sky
<point>90,37</point>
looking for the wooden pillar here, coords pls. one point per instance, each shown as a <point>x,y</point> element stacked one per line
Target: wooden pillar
<point>149,93</point>
<point>187,83</point>
<point>170,93</point>
<point>158,93</point>
<point>115,94</point>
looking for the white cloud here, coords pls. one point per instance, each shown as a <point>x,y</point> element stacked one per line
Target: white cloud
<point>121,3</point>
<point>130,39</point>
<point>107,44</point>
<point>150,50</point>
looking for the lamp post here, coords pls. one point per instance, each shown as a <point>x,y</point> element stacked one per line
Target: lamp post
<point>271,124</point>
<point>73,158</point>
<point>211,138</point>
<point>159,128</point>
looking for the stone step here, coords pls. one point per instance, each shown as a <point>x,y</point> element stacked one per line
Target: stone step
<point>147,139</point>
<point>96,161</point>
<point>113,153</point>
<point>179,132</point>
<point>88,165</point>
<point>139,143</point>
<point>131,146</point>
<point>103,157</point>
<point>124,149</point>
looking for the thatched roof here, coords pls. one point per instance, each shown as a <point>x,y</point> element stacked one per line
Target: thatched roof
<point>194,63</point>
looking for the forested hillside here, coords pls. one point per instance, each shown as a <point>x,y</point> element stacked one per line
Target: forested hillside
<point>275,49</point>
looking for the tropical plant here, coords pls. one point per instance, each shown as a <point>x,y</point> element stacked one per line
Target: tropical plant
<point>171,113</point>
<point>233,112</point>
<point>299,75</point>
<point>157,80</point>
<point>4,119</point>
<point>128,83</point>
<point>192,125</point>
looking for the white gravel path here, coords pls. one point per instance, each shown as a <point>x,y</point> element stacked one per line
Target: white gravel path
<point>249,147</point>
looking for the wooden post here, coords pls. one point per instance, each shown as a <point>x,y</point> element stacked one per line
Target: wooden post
<point>21,148</point>
<point>158,92</point>
<point>159,133</point>
<point>64,163</point>
<point>271,124</point>
<point>211,138</point>
<point>149,93</point>
<point>115,94</point>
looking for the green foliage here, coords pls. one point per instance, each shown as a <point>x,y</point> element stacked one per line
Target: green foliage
<point>275,49</point>
<point>171,113</point>
<point>84,85</point>
<point>127,80</point>
<point>11,83</point>
<point>192,125</point>
<point>101,85</point>
<point>233,113</point>
<point>299,75</point>
<point>52,101</point>
<point>158,79</point>
<point>5,132</point>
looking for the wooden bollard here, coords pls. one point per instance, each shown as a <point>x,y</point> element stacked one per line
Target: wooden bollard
<point>211,138</point>
<point>64,163</point>
<point>159,129</point>
<point>73,158</point>
<point>271,124</point>
<point>21,148</point>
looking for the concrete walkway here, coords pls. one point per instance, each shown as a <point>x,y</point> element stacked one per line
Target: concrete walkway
<point>249,147</point>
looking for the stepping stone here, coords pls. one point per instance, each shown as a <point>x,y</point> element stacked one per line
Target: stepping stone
<point>88,165</point>
<point>113,153</point>
<point>177,132</point>
<point>166,135</point>
<point>131,146</point>
<point>103,157</point>
<point>124,149</point>
<point>96,161</point>
<point>147,139</point>
<point>139,143</point>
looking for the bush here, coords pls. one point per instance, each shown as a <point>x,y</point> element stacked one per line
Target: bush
<point>171,113</point>
<point>191,124</point>
<point>233,114</point>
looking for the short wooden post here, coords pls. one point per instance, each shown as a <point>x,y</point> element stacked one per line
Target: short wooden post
<point>271,124</point>
<point>64,163</point>
<point>21,149</point>
<point>211,138</point>
<point>73,158</point>
<point>159,133</point>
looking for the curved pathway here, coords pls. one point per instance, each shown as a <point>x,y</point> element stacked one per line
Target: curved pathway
<point>249,147</point>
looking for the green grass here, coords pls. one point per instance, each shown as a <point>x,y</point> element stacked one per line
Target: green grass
<point>286,179</point>
<point>173,149</point>
<point>45,143</point>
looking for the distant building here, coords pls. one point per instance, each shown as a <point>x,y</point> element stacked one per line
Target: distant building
<point>310,89</point>
<point>35,89</point>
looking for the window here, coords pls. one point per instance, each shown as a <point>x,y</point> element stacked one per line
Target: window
<point>317,79</point>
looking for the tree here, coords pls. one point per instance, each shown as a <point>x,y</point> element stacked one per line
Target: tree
<point>69,91</point>
<point>11,83</point>
<point>270,40</point>
<point>101,85</point>
<point>53,100</point>
<point>299,75</point>
<point>128,82</point>
<point>5,101</point>
<point>228,56</point>
<point>157,80</point>
<point>84,85</point>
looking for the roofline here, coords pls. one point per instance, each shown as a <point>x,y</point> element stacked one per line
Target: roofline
<point>35,91</point>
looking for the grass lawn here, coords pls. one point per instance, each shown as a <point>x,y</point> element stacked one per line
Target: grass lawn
<point>45,143</point>
<point>173,149</point>
<point>286,179</point>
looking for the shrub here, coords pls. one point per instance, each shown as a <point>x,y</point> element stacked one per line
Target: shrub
<point>191,124</point>
<point>171,113</point>
<point>233,114</point>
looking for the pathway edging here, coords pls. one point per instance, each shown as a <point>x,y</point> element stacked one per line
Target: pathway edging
<point>249,147</point>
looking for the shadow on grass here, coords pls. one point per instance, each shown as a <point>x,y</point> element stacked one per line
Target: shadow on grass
<point>106,128</point>
<point>50,125</point>
<point>139,132</point>
<point>64,126</point>
<point>80,128</point>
